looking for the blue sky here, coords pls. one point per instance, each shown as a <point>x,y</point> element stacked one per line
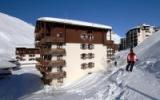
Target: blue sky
<point>120,14</point>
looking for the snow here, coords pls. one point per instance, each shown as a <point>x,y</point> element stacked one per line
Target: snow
<point>116,38</point>
<point>13,33</point>
<point>74,22</point>
<point>114,83</point>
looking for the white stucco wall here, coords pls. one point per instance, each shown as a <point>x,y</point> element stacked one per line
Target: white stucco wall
<point>74,61</point>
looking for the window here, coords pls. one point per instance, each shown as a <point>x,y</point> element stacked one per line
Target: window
<point>47,57</point>
<point>83,56</point>
<point>84,66</point>
<point>31,59</point>
<point>90,37</point>
<point>83,46</point>
<point>59,46</point>
<point>59,69</point>
<point>90,46</point>
<point>90,55</point>
<point>84,36</point>
<point>59,57</point>
<point>90,65</point>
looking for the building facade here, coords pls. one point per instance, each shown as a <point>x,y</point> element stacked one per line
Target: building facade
<point>122,45</point>
<point>71,49</point>
<point>137,35</point>
<point>27,56</point>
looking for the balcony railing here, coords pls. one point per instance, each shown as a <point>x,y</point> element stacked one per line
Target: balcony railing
<point>55,52</point>
<point>49,39</point>
<point>55,63</point>
<point>37,44</point>
<point>55,75</point>
<point>41,68</point>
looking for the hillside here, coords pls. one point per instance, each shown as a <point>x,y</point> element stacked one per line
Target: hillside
<point>14,33</point>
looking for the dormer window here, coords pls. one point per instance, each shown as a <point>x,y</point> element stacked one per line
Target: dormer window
<point>90,37</point>
<point>84,36</point>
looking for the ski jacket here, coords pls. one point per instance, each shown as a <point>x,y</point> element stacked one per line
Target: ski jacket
<point>132,57</point>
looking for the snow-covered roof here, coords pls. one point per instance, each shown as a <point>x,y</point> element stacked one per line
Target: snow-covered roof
<point>141,25</point>
<point>74,22</point>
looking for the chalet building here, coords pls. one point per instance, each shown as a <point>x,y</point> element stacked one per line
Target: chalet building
<point>137,35</point>
<point>71,49</point>
<point>27,56</point>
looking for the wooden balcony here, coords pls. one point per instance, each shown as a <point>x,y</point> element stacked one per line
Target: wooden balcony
<point>37,44</point>
<point>41,68</point>
<point>55,52</point>
<point>55,75</point>
<point>38,36</point>
<point>52,40</point>
<point>55,63</point>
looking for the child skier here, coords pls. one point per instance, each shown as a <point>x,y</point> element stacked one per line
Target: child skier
<point>131,59</point>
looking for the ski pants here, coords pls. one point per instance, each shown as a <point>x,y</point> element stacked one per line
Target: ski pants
<point>129,66</point>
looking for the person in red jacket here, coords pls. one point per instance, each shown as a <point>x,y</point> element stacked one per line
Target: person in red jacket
<point>131,59</point>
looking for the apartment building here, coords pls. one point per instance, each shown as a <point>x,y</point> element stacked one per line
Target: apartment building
<point>71,49</point>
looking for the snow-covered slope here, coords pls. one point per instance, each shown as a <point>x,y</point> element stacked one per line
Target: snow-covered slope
<point>14,33</point>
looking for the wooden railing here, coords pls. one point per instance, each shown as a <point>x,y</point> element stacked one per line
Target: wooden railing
<point>55,63</point>
<point>55,75</point>
<point>56,51</point>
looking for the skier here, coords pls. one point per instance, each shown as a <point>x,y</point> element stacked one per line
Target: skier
<point>131,59</point>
